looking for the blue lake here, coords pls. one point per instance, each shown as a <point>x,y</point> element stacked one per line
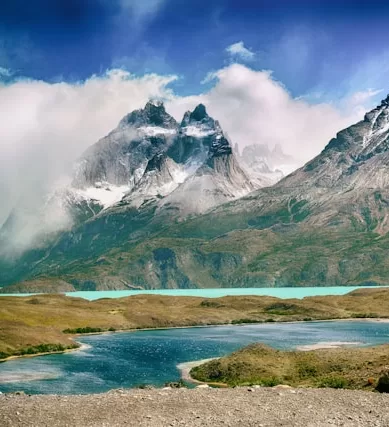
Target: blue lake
<point>216,293</point>
<point>151,357</point>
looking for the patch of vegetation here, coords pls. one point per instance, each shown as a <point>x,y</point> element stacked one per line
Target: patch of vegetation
<point>44,348</point>
<point>243,321</point>
<point>334,368</point>
<point>365,315</point>
<point>85,330</point>
<point>333,382</point>
<point>211,304</point>
<point>283,309</point>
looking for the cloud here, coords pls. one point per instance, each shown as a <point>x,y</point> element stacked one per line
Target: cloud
<point>46,126</point>
<point>255,108</point>
<point>5,72</point>
<point>240,51</point>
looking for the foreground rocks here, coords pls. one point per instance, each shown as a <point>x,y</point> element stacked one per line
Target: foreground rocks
<point>200,407</point>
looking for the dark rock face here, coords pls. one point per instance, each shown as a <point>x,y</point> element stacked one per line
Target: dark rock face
<point>152,114</point>
<point>156,163</point>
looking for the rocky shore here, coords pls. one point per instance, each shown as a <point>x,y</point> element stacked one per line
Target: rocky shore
<point>266,407</point>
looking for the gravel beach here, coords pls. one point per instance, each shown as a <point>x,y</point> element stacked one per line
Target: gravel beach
<point>244,406</point>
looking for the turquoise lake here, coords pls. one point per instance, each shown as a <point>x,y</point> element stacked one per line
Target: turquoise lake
<point>130,359</point>
<point>216,293</point>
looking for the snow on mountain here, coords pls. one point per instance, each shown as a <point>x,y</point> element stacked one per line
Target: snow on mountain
<point>121,157</point>
<point>162,176</point>
<point>357,157</point>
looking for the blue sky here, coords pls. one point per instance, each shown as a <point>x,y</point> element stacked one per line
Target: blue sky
<point>323,50</point>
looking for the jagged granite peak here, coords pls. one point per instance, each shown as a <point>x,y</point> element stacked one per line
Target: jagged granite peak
<point>200,137</point>
<point>153,114</point>
<point>121,157</point>
<point>198,121</point>
<point>199,114</point>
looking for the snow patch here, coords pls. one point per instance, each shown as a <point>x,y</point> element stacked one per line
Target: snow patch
<point>103,193</point>
<point>156,130</point>
<point>198,132</point>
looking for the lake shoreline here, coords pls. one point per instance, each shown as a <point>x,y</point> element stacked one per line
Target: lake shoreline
<point>82,346</point>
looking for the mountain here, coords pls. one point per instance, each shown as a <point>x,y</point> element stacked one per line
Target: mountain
<point>265,163</point>
<point>324,224</point>
<point>149,163</point>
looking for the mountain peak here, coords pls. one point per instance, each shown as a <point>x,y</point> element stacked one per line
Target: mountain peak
<point>385,102</point>
<point>153,105</point>
<point>153,114</point>
<point>198,116</point>
<point>199,113</point>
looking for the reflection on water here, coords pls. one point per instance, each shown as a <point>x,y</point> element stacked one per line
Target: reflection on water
<point>151,357</point>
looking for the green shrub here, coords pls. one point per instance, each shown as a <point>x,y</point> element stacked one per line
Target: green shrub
<point>307,370</point>
<point>43,348</point>
<point>333,382</point>
<point>270,382</point>
<point>241,321</point>
<point>86,330</point>
<point>365,315</point>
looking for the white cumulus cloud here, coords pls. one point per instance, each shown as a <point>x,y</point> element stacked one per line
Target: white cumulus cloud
<point>45,127</point>
<point>255,108</point>
<point>239,50</point>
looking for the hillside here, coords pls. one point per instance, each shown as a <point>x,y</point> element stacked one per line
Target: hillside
<point>355,368</point>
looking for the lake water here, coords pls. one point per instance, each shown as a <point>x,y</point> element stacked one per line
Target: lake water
<point>151,357</point>
<point>216,293</point>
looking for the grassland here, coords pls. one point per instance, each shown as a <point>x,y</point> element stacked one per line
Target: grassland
<point>354,368</point>
<point>52,320</point>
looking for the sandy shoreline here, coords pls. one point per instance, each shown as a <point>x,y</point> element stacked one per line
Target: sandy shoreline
<point>50,353</point>
<point>186,367</point>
